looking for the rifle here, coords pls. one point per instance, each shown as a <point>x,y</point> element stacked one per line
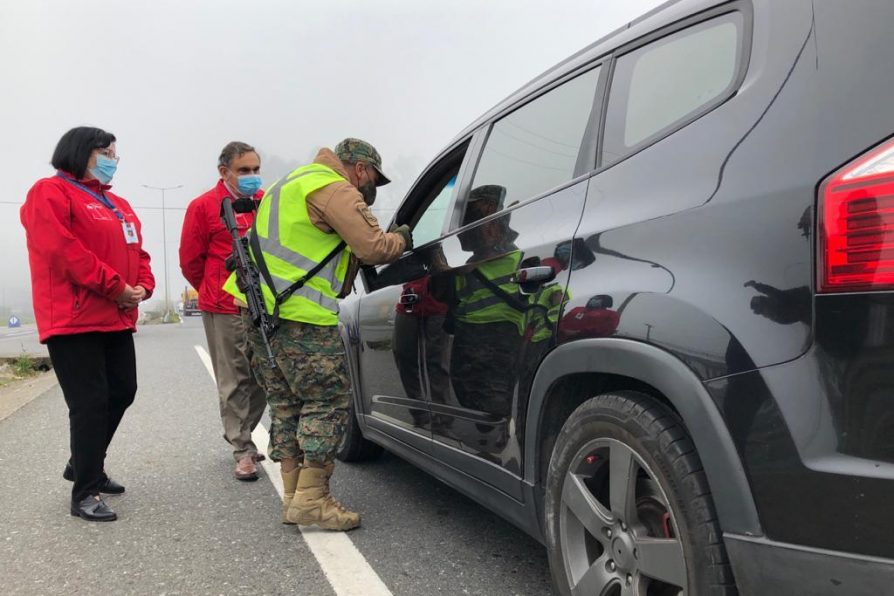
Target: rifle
<point>248,280</point>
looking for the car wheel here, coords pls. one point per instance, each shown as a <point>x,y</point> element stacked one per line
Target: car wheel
<point>353,447</point>
<point>628,508</point>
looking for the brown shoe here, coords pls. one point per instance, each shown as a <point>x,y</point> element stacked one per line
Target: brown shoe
<point>246,469</point>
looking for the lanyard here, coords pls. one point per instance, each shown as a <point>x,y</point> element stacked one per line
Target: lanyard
<point>99,197</point>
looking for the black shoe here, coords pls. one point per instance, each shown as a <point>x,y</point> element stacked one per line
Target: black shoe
<point>93,508</point>
<point>109,487</point>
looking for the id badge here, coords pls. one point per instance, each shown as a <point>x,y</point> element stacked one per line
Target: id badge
<point>130,232</point>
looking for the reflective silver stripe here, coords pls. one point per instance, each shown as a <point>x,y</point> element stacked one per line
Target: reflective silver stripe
<point>272,245</point>
<point>473,306</point>
<point>504,279</point>
<point>469,291</point>
<point>308,292</point>
<point>273,192</point>
<point>328,272</point>
<point>474,284</point>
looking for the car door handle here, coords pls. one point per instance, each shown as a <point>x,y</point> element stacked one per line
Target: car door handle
<point>535,275</point>
<point>409,300</point>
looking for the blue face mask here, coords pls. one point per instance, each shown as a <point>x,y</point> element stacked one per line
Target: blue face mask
<point>249,184</point>
<point>105,168</point>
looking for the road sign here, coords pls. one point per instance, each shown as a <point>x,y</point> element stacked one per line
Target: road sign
<point>14,321</point>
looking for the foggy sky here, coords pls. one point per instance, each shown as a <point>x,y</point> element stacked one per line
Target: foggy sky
<point>175,80</point>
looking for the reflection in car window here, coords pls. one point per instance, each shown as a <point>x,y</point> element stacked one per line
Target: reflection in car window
<point>535,148</point>
<point>663,83</point>
<point>430,224</point>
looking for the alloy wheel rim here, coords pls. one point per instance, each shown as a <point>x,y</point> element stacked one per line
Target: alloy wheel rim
<point>619,535</point>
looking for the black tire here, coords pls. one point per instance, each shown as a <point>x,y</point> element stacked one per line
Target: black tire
<point>655,531</point>
<point>354,448</point>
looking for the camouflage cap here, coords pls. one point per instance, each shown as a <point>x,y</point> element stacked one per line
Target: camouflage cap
<point>494,192</point>
<point>354,150</point>
<point>484,200</point>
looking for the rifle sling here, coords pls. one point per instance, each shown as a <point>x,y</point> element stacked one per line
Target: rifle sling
<point>510,300</point>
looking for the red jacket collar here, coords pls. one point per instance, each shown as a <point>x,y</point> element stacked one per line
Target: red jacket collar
<point>93,183</point>
<point>222,191</point>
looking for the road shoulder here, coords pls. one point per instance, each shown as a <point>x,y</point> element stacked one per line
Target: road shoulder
<point>17,394</point>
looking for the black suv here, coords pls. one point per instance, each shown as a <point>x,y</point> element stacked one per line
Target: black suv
<point>649,316</point>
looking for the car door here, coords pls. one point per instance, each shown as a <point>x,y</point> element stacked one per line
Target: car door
<point>400,323</point>
<point>502,270</point>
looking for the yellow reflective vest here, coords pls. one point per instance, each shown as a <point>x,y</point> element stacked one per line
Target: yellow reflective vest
<point>292,245</point>
<point>478,304</point>
<point>542,321</point>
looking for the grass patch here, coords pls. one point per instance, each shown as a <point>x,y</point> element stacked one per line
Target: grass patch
<point>24,366</point>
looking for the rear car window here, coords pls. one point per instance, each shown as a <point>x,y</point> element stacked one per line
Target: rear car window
<point>535,148</point>
<point>661,86</point>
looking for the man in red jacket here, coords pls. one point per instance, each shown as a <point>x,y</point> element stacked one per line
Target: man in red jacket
<point>204,246</point>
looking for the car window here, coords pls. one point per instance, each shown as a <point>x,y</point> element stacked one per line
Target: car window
<point>430,224</point>
<point>659,86</point>
<point>535,148</point>
<point>425,209</point>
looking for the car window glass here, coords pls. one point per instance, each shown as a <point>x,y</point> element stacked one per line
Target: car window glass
<point>430,224</point>
<point>661,84</point>
<point>535,148</point>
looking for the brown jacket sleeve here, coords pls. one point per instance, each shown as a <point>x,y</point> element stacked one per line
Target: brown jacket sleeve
<point>340,207</point>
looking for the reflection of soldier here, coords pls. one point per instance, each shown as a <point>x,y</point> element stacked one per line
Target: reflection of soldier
<point>419,336</point>
<point>782,306</point>
<point>754,421</point>
<point>489,314</point>
<point>542,318</point>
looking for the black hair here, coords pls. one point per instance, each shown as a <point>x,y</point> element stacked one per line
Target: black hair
<point>73,151</point>
<point>232,151</point>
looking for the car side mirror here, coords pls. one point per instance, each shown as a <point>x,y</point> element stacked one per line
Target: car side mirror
<point>600,302</point>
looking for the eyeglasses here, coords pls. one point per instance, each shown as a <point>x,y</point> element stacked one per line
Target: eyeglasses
<point>108,153</point>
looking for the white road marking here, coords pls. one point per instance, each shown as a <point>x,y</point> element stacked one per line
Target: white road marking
<point>206,360</point>
<point>21,333</point>
<point>344,566</point>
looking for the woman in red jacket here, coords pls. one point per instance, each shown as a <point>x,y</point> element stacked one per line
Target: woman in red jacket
<point>88,274</point>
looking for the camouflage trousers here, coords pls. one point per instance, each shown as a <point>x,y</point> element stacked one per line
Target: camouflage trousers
<point>308,390</point>
<point>484,365</point>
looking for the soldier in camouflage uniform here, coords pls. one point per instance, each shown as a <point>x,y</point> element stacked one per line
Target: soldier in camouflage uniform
<point>310,363</point>
<point>489,324</point>
<point>317,214</point>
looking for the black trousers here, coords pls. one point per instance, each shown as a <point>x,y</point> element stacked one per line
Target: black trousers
<point>98,375</point>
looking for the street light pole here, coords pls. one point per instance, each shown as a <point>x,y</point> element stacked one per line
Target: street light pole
<point>164,242</point>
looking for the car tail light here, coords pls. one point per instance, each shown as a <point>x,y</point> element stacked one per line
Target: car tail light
<point>856,227</point>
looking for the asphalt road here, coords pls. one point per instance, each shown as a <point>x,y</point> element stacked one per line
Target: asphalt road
<point>186,526</point>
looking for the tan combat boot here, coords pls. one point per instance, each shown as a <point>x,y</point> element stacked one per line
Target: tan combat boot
<point>314,506</point>
<point>289,482</point>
